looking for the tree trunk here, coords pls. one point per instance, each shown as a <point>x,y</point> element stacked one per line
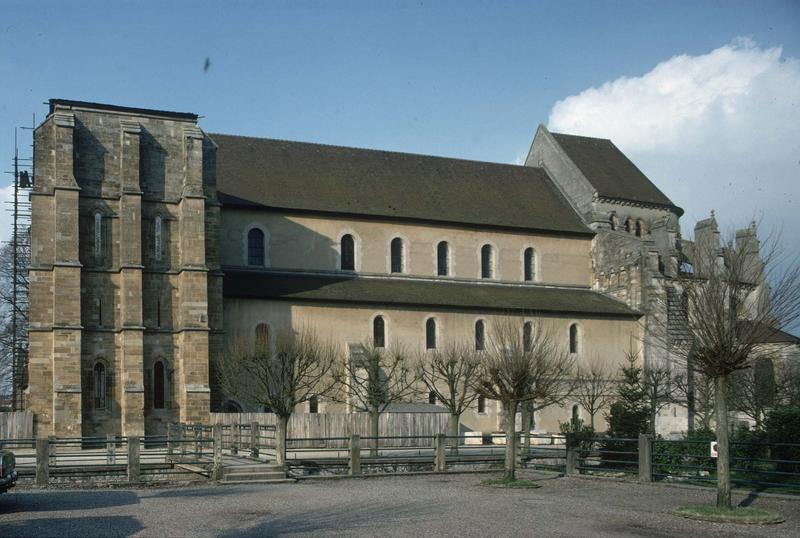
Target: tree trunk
<point>374,421</point>
<point>591,420</point>
<point>280,440</point>
<point>526,427</point>
<point>723,458</point>
<point>510,409</point>
<point>454,432</point>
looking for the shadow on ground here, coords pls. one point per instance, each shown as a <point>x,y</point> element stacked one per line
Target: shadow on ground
<point>340,518</point>
<point>74,526</point>
<point>56,501</point>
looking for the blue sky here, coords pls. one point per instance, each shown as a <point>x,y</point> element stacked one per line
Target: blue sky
<point>459,79</point>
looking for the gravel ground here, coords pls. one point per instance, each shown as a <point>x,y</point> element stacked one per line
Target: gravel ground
<point>441,505</point>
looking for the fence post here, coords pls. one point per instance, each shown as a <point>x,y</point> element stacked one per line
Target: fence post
<point>51,451</point>
<point>236,434</point>
<point>216,434</point>
<point>645,458</point>
<point>134,465</point>
<point>254,439</point>
<point>572,455</point>
<point>439,453</point>
<point>111,456</point>
<point>42,461</point>
<point>197,453</point>
<point>170,447</point>
<point>355,455</point>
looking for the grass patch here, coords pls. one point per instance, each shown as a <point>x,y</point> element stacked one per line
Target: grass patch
<point>509,483</point>
<point>745,515</point>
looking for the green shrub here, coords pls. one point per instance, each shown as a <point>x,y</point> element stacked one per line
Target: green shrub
<point>782,427</point>
<point>579,433</point>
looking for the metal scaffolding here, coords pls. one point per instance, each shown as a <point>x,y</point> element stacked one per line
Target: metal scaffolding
<point>15,299</point>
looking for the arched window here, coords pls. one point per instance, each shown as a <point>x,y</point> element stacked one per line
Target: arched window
<point>639,228</point>
<point>397,255</point>
<point>432,398</point>
<point>575,414</point>
<point>378,332</point>
<point>527,337</point>
<point>487,267</point>
<point>159,385</point>
<point>348,252</point>
<point>430,334</point>
<point>232,407</point>
<point>255,247</point>
<point>157,234</point>
<point>100,400</point>
<point>481,404</point>
<point>480,335</point>
<point>628,225</point>
<point>313,404</point>
<point>442,258</point>
<point>529,264</point>
<point>262,337</point>
<point>98,235</point>
<point>613,220</point>
<point>573,338</point>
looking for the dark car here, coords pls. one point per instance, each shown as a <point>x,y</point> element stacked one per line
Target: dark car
<point>8,471</point>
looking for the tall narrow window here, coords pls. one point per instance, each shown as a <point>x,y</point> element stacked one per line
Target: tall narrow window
<point>397,255</point>
<point>262,337</point>
<point>527,337</point>
<point>157,237</point>
<point>628,225</point>
<point>638,228</point>
<point>613,220</point>
<point>442,259</point>
<point>575,414</point>
<point>313,404</point>
<point>99,306</point>
<point>430,334</point>
<point>99,386</point>
<point>487,269</point>
<point>158,385</point>
<point>98,235</point>
<point>481,404</point>
<point>529,263</point>
<point>432,398</point>
<point>158,313</point>
<point>348,252</point>
<point>573,338</point>
<point>480,335</point>
<point>378,332</point>
<point>255,247</point>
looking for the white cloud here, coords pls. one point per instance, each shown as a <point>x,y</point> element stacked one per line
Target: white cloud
<point>715,131</point>
<point>6,218</point>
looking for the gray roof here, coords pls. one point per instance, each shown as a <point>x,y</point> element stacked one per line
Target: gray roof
<point>278,174</point>
<point>610,171</point>
<point>480,296</point>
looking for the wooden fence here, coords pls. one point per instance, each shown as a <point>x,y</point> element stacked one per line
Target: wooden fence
<point>322,425</point>
<point>16,425</point>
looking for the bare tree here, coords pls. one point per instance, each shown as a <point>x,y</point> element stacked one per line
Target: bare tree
<point>753,391</point>
<point>661,389</point>
<point>594,386</point>
<point>373,377</point>
<point>513,371</point>
<point>735,301</point>
<point>696,391</point>
<point>448,373</point>
<point>297,368</point>
<point>14,332</point>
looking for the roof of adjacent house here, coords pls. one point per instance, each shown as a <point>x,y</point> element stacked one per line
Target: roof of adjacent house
<point>399,292</point>
<point>300,176</point>
<point>609,170</point>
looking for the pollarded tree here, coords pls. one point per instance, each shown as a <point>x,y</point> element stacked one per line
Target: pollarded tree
<point>735,301</point>
<point>372,378</point>
<point>514,370</point>
<point>594,387</point>
<point>448,373</point>
<point>280,375</point>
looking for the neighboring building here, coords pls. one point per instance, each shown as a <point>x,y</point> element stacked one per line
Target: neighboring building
<point>155,246</point>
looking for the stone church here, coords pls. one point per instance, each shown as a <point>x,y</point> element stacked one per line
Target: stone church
<point>155,245</point>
